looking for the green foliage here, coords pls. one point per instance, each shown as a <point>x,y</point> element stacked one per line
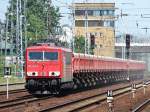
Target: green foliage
<point>42,19</point>
<point>1,65</point>
<point>79,44</point>
<point>36,29</point>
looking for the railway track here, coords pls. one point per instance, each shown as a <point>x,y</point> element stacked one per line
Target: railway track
<point>142,106</point>
<point>11,84</point>
<point>13,91</point>
<point>14,100</point>
<point>68,105</point>
<point>79,104</point>
<point>12,88</point>
<point>20,101</point>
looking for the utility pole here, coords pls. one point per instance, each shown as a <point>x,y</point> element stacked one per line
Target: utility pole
<point>145,28</point>
<point>48,17</point>
<point>25,25</point>
<point>6,37</point>
<point>17,34</point>
<point>11,31</point>
<point>1,27</point>
<point>21,47</point>
<point>86,31</point>
<point>0,41</point>
<point>73,25</point>
<point>19,38</point>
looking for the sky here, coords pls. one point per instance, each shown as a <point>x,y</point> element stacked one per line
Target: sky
<point>3,8</point>
<point>138,14</point>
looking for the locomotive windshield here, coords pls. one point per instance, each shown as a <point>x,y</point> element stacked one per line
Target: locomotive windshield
<point>50,55</point>
<point>36,55</point>
<point>43,56</point>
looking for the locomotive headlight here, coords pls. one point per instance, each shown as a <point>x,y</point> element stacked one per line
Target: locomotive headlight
<point>32,73</point>
<point>29,73</point>
<point>54,73</point>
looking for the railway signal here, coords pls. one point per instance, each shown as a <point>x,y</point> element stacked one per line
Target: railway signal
<point>7,71</point>
<point>127,41</point>
<point>7,75</point>
<point>128,38</point>
<point>92,41</point>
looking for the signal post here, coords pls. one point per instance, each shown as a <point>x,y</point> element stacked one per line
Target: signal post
<point>7,75</point>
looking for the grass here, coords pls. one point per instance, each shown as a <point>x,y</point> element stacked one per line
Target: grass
<point>12,79</point>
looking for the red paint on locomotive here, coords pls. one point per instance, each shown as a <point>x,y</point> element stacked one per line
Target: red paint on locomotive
<point>43,67</point>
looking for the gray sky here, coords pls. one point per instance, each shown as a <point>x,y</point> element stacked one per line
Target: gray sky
<point>124,25</point>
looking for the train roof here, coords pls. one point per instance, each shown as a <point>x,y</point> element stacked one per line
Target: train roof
<point>105,58</point>
<point>46,46</point>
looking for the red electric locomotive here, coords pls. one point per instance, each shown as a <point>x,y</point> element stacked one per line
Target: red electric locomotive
<point>48,68</point>
<point>51,69</point>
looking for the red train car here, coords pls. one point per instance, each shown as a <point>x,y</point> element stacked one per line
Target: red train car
<point>51,69</point>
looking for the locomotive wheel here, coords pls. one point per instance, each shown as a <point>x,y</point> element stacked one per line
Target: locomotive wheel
<point>88,82</point>
<point>77,83</point>
<point>84,83</point>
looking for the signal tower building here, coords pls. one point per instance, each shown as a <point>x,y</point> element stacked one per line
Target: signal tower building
<point>96,22</point>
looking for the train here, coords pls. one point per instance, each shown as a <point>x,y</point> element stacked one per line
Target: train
<point>51,69</point>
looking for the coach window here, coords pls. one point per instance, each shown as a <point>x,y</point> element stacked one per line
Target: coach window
<point>51,56</point>
<point>35,55</point>
<point>68,58</point>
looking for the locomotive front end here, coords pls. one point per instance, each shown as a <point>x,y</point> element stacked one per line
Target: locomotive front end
<point>43,70</point>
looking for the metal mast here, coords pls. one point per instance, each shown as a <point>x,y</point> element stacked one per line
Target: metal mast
<point>19,38</point>
<point>6,37</point>
<point>86,31</point>
<point>25,25</point>
<point>1,39</point>
<point>49,17</point>
<point>73,26</point>
<point>11,31</point>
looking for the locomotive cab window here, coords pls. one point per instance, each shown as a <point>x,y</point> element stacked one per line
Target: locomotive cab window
<point>35,55</point>
<point>51,56</point>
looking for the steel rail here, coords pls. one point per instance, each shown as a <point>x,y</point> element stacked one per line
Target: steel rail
<point>142,106</point>
<point>13,91</point>
<point>17,102</point>
<point>13,84</point>
<point>76,105</point>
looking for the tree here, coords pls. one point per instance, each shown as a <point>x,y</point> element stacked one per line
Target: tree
<point>41,17</point>
<point>79,43</point>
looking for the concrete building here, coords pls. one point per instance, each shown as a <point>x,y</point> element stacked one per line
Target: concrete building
<point>96,20</point>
